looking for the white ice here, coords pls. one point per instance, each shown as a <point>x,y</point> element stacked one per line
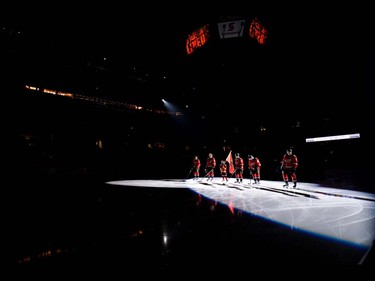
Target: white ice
<point>340,214</point>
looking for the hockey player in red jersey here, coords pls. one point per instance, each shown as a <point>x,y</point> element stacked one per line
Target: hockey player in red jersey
<point>210,167</point>
<point>196,167</point>
<point>254,168</point>
<point>223,171</point>
<point>238,167</point>
<point>289,166</point>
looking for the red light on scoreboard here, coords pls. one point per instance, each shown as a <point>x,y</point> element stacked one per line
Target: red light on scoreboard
<point>258,31</point>
<point>197,39</point>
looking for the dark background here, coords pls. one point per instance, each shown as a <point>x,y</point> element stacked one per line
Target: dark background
<point>312,78</point>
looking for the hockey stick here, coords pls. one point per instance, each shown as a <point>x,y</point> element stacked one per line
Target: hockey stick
<point>205,176</point>
<point>189,173</point>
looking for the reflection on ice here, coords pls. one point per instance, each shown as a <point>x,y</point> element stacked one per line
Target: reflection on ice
<point>344,215</point>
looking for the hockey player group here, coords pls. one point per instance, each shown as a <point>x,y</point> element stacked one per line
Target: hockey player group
<point>289,166</point>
